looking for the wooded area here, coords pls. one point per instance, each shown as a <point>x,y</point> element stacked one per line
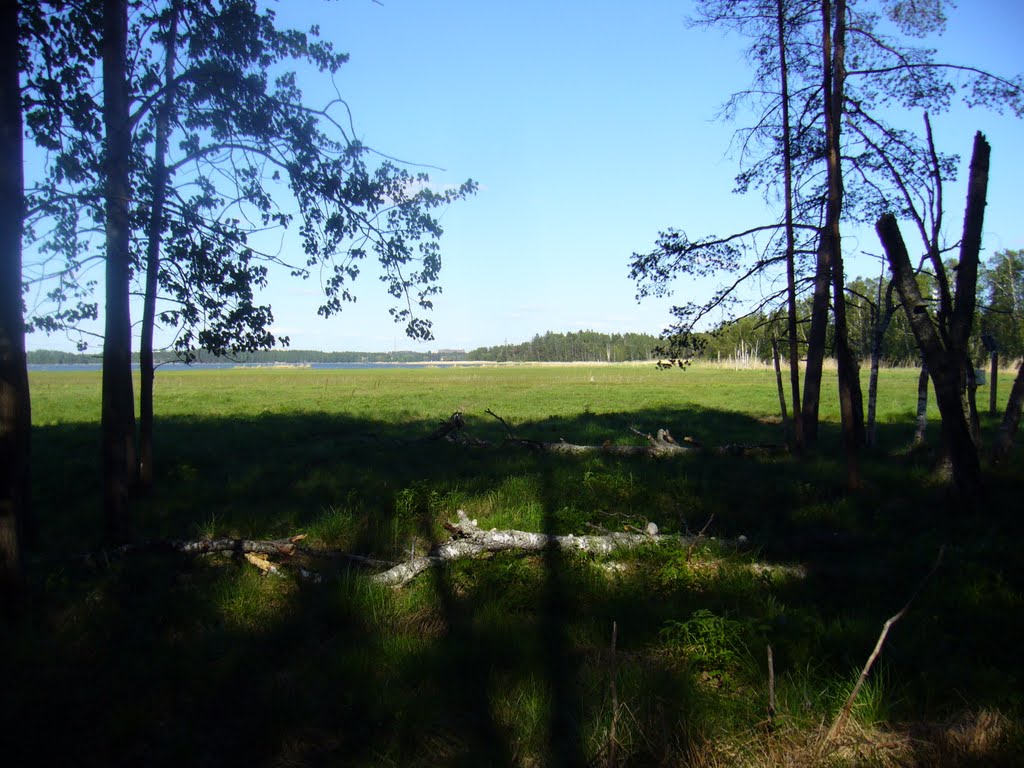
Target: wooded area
<point>174,133</point>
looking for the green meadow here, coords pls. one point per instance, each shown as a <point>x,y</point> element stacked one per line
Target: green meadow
<point>166,659</point>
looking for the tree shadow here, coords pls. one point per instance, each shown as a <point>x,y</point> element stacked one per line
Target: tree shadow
<point>159,661</point>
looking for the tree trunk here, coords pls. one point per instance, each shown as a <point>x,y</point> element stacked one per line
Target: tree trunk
<point>972,404</point>
<point>154,240</point>
<point>851,404</point>
<point>781,387</point>
<point>965,298</point>
<point>876,360</point>
<point>993,379</point>
<point>1011,418</point>
<point>943,367</point>
<point>816,337</point>
<point>883,317</point>
<point>922,405</point>
<point>787,165</point>
<point>15,409</point>
<point>118,412</point>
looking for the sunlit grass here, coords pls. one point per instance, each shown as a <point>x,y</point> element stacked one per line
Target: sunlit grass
<point>528,393</point>
<point>246,600</point>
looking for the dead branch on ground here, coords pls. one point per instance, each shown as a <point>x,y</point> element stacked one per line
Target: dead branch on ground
<point>660,444</point>
<point>467,540</point>
<point>844,713</point>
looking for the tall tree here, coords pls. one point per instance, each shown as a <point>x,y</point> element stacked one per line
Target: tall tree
<point>248,141</point>
<point>220,150</point>
<point>780,42</point>
<point>851,406</point>
<point>15,409</point>
<point>154,238</point>
<point>847,163</point>
<point>943,342</point>
<point>118,410</point>
<point>790,227</point>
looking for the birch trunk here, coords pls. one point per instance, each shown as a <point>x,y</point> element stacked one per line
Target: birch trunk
<point>922,405</point>
<point>780,386</point>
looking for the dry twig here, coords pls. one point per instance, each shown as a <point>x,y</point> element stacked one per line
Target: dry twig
<point>844,713</point>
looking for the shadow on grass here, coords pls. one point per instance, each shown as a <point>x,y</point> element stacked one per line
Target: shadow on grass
<point>160,661</point>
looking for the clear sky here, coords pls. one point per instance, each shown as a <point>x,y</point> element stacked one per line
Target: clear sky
<point>590,126</point>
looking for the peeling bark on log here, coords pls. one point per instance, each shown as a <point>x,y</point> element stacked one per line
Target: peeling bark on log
<point>262,563</point>
<point>475,541</point>
<point>280,547</point>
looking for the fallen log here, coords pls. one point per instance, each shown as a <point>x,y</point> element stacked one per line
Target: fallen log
<point>468,540</point>
<point>449,428</point>
<point>472,541</point>
<point>452,430</point>
<point>659,445</point>
<point>657,449</point>
<point>280,547</point>
<point>255,551</point>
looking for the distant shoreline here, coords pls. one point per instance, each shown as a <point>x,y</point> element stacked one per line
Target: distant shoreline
<point>85,367</point>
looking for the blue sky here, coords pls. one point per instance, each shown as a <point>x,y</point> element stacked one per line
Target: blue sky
<point>590,126</point>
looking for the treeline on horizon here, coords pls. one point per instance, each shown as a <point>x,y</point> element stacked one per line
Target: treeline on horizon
<point>582,346</point>
<point>267,356</point>
<point>999,323</point>
<point>749,338</point>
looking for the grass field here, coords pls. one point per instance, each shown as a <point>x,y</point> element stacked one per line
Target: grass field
<point>162,659</point>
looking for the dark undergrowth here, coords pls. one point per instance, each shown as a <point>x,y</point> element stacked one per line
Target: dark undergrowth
<point>165,660</point>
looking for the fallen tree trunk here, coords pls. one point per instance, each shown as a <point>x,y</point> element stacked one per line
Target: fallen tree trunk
<point>473,541</point>
<point>257,548</point>
<point>274,558</point>
<point>658,445</point>
<point>468,541</point>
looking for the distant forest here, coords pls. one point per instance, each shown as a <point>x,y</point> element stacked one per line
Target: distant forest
<point>584,346</point>
<point>580,347</point>
<point>268,356</point>
<point>748,338</point>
